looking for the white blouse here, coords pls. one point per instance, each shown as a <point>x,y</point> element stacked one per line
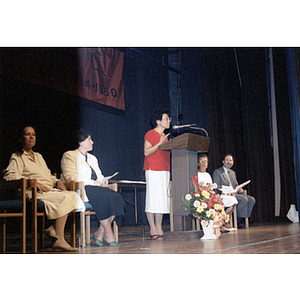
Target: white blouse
<point>204,177</point>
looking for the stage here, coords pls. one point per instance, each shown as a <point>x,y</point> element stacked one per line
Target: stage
<point>268,239</point>
<point>258,239</point>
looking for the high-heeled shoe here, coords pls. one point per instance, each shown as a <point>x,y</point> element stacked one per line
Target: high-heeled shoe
<point>64,249</point>
<point>114,243</point>
<point>97,241</point>
<point>50,235</point>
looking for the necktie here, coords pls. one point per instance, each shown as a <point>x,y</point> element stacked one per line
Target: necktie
<point>231,180</point>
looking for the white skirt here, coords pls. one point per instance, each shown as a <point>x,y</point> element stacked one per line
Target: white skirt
<point>228,200</point>
<point>157,191</point>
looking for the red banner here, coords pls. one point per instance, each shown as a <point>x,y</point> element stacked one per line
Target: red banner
<point>96,74</point>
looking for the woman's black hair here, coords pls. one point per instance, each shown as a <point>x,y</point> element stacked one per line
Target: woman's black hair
<point>157,115</point>
<point>82,135</point>
<point>202,155</point>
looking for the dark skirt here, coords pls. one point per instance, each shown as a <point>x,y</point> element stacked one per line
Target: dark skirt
<point>106,203</point>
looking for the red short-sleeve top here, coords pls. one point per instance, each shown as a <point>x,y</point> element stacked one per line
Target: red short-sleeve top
<point>159,160</point>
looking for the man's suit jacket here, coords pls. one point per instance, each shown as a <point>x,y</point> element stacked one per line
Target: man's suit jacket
<point>220,177</point>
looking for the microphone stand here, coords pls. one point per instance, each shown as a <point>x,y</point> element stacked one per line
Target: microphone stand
<point>198,128</point>
<point>192,127</point>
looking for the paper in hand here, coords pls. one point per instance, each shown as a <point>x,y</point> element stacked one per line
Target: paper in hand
<point>108,177</point>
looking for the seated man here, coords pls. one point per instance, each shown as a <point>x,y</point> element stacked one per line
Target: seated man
<point>229,201</point>
<point>225,176</point>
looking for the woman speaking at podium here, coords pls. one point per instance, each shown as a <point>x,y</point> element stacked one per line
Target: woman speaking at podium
<point>157,173</point>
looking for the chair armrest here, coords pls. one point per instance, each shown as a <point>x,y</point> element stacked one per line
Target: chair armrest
<point>12,184</point>
<point>70,185</point>
<point>73,186</point>
<point>19,186</point>
<point>31,183</point>
<point>113,186</point>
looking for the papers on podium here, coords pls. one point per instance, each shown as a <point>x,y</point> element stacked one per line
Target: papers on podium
<point>108,177</point>
<point>228,189</point>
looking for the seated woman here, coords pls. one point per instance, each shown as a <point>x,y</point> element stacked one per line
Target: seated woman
<point>229,201</point>
<point>31,165</point>
<point>79,165</point>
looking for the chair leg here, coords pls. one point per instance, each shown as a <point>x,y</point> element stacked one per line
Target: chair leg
<point>34,232</point>
<point>235,218</point>
<point>73,230</point>
<point>116,231</point>
<point>88,229</point>
<point>4,235</point>
<point>42,232</point>
<point>193,224</point>
<point>231,220</point>
<point>23,238</point>
<point>247,222</point>
<point>82,229</point>
<point>197,224</point>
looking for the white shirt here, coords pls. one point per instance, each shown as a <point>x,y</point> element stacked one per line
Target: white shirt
<point>204,177</point>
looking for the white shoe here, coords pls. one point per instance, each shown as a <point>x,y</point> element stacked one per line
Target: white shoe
<point>230,229</point>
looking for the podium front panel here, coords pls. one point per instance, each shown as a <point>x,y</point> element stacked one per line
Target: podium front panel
<point>184,166</point>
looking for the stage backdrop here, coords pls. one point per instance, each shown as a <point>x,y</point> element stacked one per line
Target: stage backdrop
<point>95,74</point>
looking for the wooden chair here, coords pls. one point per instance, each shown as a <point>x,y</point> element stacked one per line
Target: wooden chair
<point>85,217</point>
<point>38,210</point>
<point>233,219</point>
<point>13,208</point>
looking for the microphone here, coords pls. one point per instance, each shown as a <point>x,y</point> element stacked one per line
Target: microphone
<point>190,126</point>
<point>182,126</point>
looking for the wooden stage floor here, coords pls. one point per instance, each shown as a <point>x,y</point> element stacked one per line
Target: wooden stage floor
<point>258,239</point>
<point>263,239</point>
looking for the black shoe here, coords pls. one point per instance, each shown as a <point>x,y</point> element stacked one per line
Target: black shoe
<point>241,226</point>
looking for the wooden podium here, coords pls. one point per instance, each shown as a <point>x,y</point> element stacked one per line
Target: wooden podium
<point>184,149</point>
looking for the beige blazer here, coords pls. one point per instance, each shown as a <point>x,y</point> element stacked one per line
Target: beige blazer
<point>74,167</point>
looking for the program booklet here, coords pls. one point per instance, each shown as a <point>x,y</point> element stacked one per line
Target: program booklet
<point>242,185</point>
<point>109,177</point>
<point>229,189</point>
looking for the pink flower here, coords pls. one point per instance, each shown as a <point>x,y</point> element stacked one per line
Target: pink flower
<point>188,197</point>
<point>197,203</point>
<point>212,211</point>
<point>204,223</point>
<point>204,205</point>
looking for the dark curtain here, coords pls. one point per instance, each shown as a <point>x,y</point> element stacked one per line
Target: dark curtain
<point>285,137</point>
<point>193,86</point>
<point>294,63</point>
<point>239,122</point>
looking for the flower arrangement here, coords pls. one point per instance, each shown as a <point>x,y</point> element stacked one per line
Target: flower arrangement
<point>204,204</point>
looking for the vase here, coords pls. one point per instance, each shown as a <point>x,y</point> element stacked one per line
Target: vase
<point>208,231</point>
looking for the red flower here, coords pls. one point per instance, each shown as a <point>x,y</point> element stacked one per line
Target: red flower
<point>210,204</point>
